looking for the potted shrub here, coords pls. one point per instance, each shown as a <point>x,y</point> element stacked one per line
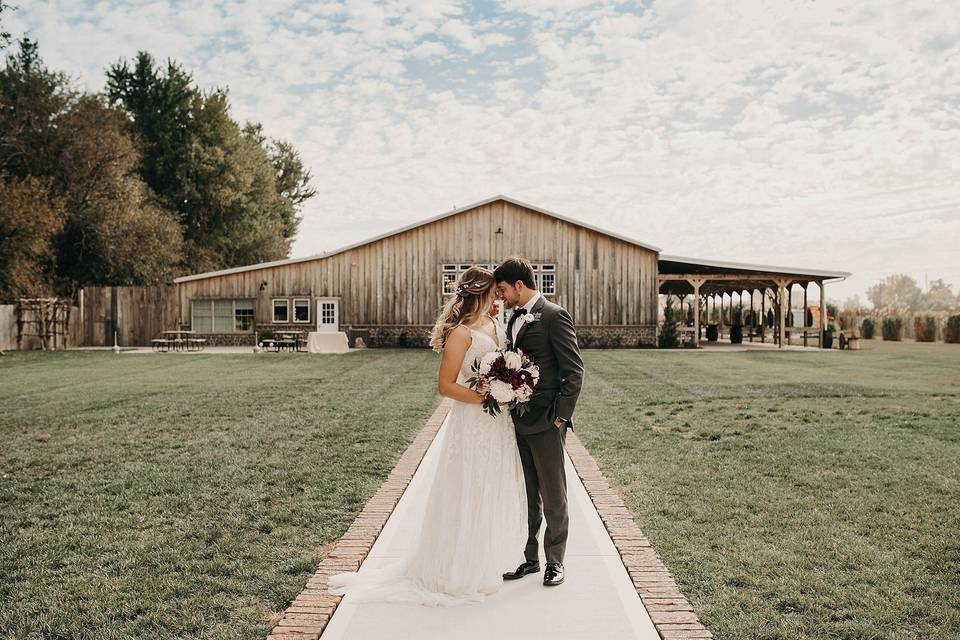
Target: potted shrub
<point>951,330</point>
<point>736,333</point>
<point>892,328</point>
<point>925,329</point>
<point>867,329</point>
<point>713,332</point>
<point>828,337</point>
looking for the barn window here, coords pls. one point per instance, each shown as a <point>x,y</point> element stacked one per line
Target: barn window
<point>243,315</point>
<point>281,310</point>
<point>301,309</point>
<point>450,273</point>
<point>544,275</point>
<point>546,278</point>
<point>221,316</point>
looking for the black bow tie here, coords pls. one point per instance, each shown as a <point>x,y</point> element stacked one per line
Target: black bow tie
<point>519,312</point>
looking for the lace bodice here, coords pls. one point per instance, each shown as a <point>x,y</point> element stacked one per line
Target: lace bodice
<point>482,344</point>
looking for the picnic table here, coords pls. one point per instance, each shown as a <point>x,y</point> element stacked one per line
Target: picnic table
<point>173,339</point>
<point>288,339</point>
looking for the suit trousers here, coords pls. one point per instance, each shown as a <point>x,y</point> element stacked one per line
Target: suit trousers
<point>542,457</point>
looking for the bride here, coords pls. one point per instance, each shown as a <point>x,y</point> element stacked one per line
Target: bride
<point>476,513</point>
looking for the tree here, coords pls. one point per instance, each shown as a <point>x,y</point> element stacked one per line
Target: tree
<point>111,230</point>
<point>4,34</point>
<point>32,99</point>
<point>236,194</point>
<point>939,297</point>
<point>29,221</point>
<point>116,232</point>
<point>669,338</point>
<point>896,293</point>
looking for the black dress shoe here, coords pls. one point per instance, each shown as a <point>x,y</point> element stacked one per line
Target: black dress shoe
<point>553,575</point>
<point>530,566</point>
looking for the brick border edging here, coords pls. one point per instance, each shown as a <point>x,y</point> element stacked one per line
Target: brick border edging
<point>308,614</point>
<point>671,613</point>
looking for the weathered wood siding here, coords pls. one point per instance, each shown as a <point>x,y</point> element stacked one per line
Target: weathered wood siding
<point>396,280</point>
<point>139,314</point>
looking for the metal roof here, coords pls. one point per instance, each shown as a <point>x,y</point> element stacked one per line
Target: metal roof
<point>699,266</point>
<point>446,214</point>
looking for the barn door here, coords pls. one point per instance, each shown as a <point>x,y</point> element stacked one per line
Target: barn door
<point>328,315</point>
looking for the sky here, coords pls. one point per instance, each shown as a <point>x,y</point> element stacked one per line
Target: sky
<point>815,134</point>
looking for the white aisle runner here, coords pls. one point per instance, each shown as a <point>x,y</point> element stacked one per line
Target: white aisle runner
<point>597,600</point>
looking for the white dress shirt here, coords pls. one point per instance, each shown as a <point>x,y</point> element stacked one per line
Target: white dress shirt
<point>519,321</point>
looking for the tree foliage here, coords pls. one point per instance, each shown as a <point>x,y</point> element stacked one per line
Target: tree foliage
<point>236,193</point>
<point>149,180</point>
<point>30,218</point>
<point>110,231</point>
<point>895,293</point>
<point>669,337</point>
<point>4,34</point>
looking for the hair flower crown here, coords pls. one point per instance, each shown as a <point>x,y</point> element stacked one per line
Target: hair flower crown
<point>468,287</point>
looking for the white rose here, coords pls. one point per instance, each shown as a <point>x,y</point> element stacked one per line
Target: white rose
<point>528,318</point>
<point>501,391</point>
<point>512,360</point>
<point>487,361</point>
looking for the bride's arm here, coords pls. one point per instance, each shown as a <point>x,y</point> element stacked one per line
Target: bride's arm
<point>454,349</point>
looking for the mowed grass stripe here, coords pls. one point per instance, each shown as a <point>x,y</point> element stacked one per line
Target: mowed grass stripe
<point>183,495</point>
<point>792,495</point>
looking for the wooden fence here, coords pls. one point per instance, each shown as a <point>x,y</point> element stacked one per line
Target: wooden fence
<point>138,314</point>
<point>8,330</point>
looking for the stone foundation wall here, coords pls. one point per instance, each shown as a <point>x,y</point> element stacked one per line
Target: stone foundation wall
<point>617,336</point>
<point>226,339</point>
<point>589,336</point>
<point>418,336</point>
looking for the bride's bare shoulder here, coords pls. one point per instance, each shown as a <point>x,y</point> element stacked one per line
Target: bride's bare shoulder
<point>459,334</point>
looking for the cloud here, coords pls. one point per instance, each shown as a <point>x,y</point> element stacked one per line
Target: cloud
<point>819,134</point>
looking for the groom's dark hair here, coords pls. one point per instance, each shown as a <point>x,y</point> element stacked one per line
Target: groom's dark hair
<point>515,268</point>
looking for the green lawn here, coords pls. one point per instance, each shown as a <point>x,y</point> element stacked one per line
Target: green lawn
<point>792,495</point>
<point>187,496</point>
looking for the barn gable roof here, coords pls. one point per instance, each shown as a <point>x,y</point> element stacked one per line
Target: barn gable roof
<point>446,214</point>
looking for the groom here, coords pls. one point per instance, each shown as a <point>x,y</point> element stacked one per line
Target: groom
<point>544,331</point>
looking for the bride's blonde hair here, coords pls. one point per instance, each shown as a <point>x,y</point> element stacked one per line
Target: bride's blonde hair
<point>475,292</point>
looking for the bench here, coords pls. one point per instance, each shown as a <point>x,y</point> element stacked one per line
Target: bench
<point>850,340</point>
<point>160,344</point>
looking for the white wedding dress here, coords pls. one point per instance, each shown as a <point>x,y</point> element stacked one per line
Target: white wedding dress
<point>475,521</point>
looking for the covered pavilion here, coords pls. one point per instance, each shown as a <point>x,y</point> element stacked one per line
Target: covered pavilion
<point>711,281</point>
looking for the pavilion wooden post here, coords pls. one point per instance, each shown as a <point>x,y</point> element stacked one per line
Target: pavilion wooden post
<point>695,283</point>
<point>753,318</point>
<point>781,301</point>
<point>805,313</point>
<point>823,312</point>
<point>763,315</point>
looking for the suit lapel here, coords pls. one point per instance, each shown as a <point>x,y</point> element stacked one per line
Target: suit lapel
<point>526,325</point>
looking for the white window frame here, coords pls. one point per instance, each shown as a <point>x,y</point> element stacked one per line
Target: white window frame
<point>456,270</point>
<point>541,269</point>
<point>273,310</point>
<point>233,312</point>
<point>293,316</point>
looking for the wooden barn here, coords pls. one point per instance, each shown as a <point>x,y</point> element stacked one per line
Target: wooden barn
<point>393,285</point>
<point>390,288</point>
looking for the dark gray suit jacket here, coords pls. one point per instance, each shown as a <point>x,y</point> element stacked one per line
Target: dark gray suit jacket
<point>551,342</point>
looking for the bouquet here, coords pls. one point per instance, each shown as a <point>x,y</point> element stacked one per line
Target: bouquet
<point>506,378</point>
